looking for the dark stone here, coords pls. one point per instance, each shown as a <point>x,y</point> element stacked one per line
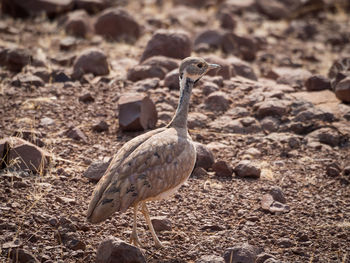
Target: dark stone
<point>205,157</point>
<point>222,168</point>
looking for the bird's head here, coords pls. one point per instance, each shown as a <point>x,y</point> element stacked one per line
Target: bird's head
<point>193,68</point>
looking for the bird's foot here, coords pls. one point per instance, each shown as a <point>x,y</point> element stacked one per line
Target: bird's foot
<point>134,239</point>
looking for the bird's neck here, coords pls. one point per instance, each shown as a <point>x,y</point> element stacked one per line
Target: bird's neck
<point>180,118</point>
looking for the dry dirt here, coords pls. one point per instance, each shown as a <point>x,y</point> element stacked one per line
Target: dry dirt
<point>209,213</point>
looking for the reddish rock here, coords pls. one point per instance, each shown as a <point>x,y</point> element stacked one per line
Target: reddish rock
<point>268,203</point>
<point>242,68</point>
<point>161,223</point>
<point>91,60</point>
<point>246,168</point>
<point>76,134</point>
<point>136,112</point>
<point>226,70</point>
<point>117,24</point>
<point>333,169</point>
<point>205,157</point>
<point>244,253</point>
<point>78,24</point>
<point>114,250</point>
<point>14,58</point>
<point>210,259</point>
<point>222,168</point>
<point>227,21</point>
<point>272,107</point>
<point>289,76</point>
<point>342,90</point>
<point>171,80</point>
<point>146,84</point>
<point>169,43</point>
<point>86,98</point>
<point>317,82</point>
<point>325,135</point>
<point>91,6</point>
<point>27,80</point>
<point>96,170</point>
<point>218,101</point>
<point>208,88</point>
<point>31,136</point>
<point>141,72</point>
<point>276,9</point>
<point>194,3</point>
<point>101,126</point>
<point>22,256</point>
<point>23,155</point>
<point>244,47</point>
<point>197,120</point>
<point>163,62</point>
<point>210,37</point>
<point>270,124</point>
<point>19,8</point>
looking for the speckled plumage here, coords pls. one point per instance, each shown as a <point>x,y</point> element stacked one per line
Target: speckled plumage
<point>151,166</point>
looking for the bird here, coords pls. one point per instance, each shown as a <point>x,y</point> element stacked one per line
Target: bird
<point>151,166</point>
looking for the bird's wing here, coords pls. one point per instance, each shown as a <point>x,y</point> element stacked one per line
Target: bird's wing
<point>159,164</point>
<point>118,158</point>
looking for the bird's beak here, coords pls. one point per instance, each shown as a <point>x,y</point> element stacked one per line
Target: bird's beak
<point>212,66</point>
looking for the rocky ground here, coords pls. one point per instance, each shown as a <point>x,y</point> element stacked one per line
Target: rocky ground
<point>272,178</point>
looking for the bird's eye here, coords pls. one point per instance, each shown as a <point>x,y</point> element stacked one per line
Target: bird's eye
<point>200,65</point>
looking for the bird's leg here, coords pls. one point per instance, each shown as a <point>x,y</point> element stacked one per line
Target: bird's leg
<point>145,212</point>
<point>134,239</point>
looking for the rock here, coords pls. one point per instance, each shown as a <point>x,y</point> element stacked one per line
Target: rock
<point>244,253</point>
<point>20,255</point>
<point>205,157</point>
<point>284,242</point>
<point>136,112</point>
<point>246,168</point>
<point>31,136</point>
<point>27,80</point>
<point>23,155</point>
<point>269,204</point>
<point>333,169</point>
<point>227,21</point>
<point>96,170</point>
<point>171,80</point>
<point>339,70</point>
<point>114,250</point>
<point>263,257</point>
<point>295,77</point>
<point>161,223</point>
<point>276,9</point>
<point>91,60</point>
<point>270,124</point>
<point>272,107</point>
<point>76,134</point>
<point>346,171</point>
<point>218,101</point>
<point>19,8</point>
<point>146,84</point>
<point>101,126</point>
<point>210,259</point>
<point>14,59</point>
<point>197,120</point>
<point>199,172</point>
<point>91,6</point>
<point>311,114</point>
<point>163,62</point>
<point>78,24</point>
<point>86,98</point>
<point>117,24</point>
<point>169,43</point>
<point>277,194</point>
<point>212,38</point>
<point>244,47</point>
<point>242,68</point>
<point>222,168</point>
<point>68,43</point>
<point>325,135</point>
<point>225,70</point>
<point>245,125</point>
<point>342,90</point>
<point>42,73</point>
<point>317,83</point>
<point>194,3</point>
<point>208,88</point>
<point>46,121</point>
<point>141,72</point>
